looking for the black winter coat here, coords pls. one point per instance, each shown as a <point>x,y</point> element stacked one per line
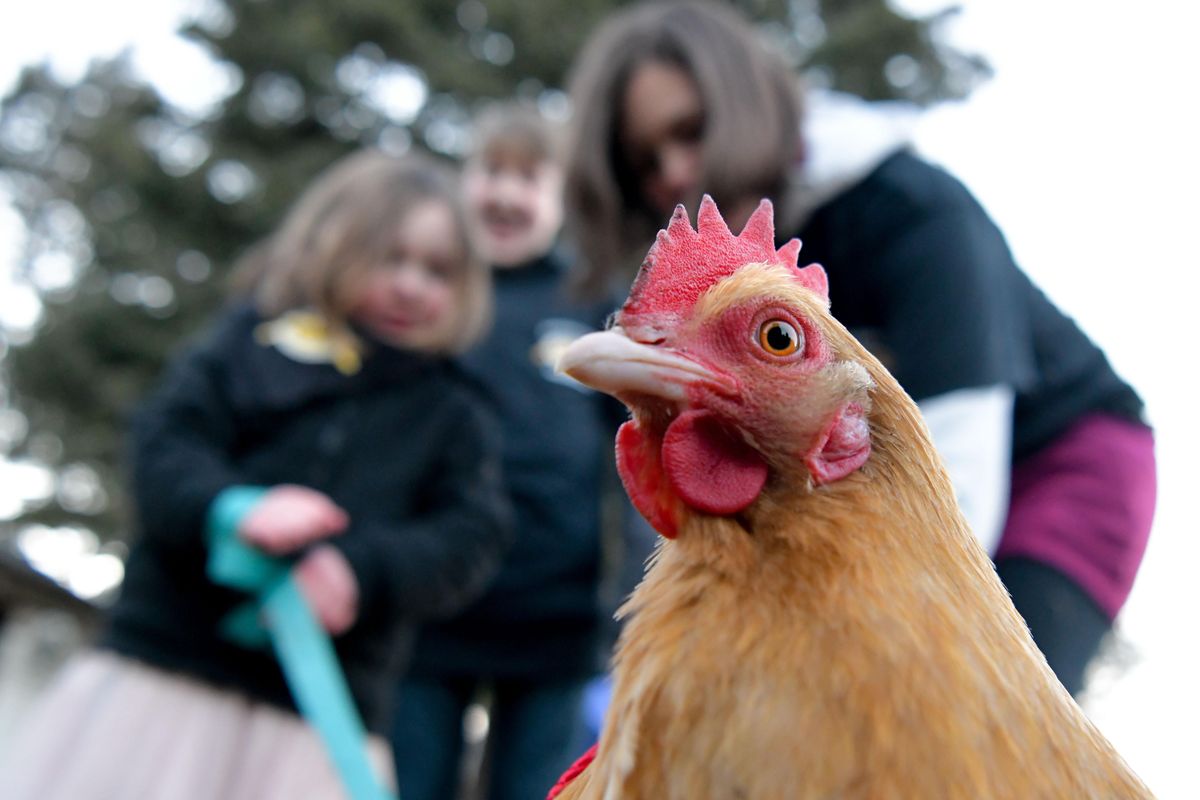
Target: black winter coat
<point>407,446</point>
<point>548,615</point>
<point>922,276</point>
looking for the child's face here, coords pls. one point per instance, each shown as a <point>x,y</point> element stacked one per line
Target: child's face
<point>514,206</point>
<point>408,299</point>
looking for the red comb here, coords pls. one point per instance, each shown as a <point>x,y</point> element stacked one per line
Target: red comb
<point>683,263</point>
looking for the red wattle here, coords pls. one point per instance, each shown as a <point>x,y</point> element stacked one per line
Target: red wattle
<point>640,471</point>
<point>710,467</point>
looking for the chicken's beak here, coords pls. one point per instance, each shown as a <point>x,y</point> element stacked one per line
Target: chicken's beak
<point>611,362</point>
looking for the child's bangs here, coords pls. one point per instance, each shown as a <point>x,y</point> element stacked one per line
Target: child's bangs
<point>520,148</point>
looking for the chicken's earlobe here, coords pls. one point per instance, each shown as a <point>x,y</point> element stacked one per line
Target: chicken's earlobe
<point>844,447</point>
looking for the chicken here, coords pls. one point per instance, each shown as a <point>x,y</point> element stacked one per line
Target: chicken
<point>818,621</point>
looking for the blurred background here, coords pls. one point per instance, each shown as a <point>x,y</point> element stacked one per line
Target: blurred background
<point>144,144</point>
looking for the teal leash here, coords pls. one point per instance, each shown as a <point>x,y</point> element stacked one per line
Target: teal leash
<point>278,615</point>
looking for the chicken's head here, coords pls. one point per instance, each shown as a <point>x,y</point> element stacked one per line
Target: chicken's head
<point>736,375</point>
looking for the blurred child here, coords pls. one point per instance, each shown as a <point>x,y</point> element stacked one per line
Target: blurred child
<point>333,392</point>
<point>537,636</point>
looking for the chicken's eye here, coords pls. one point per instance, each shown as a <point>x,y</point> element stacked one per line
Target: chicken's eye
<point>779,338</point>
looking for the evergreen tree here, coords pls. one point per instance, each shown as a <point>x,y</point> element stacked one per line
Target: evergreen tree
<point>136,209</point>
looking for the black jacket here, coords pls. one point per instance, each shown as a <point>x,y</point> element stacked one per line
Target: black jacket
<point>406,446</point>
<point>923,277</point>
<point>547,615</point>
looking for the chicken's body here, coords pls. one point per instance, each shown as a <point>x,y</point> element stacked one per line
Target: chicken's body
<point>834,638</point>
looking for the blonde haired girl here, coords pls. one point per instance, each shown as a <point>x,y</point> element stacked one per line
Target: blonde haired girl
<point>325,420</point>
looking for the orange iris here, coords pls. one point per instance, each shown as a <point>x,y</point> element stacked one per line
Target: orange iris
<point>779,338</point>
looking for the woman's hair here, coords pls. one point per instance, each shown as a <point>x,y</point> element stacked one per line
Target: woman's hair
<point>750,128</point>
<point>344,225</point>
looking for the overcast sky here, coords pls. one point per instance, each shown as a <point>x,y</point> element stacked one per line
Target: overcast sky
<point>1083,149</point>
